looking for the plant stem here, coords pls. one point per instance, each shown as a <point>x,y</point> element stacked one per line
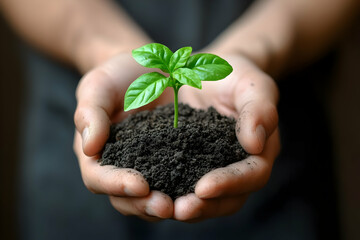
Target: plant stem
<point>176,90</point>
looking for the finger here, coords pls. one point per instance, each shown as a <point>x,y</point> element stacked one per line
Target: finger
<point>97,100</point>
<point>256,122</point>
<point>257,111</point>
<point>109,179</point>
<point>241,177</point>
<point>190,208</point>
<point>154,206</point>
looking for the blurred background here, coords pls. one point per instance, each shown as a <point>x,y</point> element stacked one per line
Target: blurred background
<point>342,99</point>
<point>10,100</point>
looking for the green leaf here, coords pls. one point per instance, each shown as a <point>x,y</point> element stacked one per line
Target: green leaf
<point>209,67</point>
<point>187,76</point>
<point>179,58</point>
<point>144,90</point>
<point>153,55</point>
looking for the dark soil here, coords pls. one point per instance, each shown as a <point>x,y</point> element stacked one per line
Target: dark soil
<point>172,159</point>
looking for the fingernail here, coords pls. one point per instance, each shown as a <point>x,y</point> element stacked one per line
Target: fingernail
<point>261,135</point>
<point>85,135</point>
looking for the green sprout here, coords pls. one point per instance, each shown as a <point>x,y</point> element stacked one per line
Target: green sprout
<point>182,69</point>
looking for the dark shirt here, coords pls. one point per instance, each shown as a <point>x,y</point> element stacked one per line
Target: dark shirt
<point>297,203</point>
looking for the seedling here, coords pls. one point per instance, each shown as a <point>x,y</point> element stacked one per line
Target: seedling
<point>182,69</point>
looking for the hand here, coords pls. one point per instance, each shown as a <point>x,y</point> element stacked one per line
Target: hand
<point>249,95</point>
<point>100,103</point>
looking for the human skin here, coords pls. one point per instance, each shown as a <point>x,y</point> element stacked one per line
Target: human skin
<point>223,191</point>
<point>272,38</point>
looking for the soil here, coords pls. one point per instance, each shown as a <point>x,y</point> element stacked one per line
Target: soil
<point>172,159</point>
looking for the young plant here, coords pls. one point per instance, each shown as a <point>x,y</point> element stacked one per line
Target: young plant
<point>182,69</point>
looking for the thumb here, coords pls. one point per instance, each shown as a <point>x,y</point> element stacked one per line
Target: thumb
<point>256,122</point>
<point>92,116</point>
<point>94,125</point>
<point>255,103</point>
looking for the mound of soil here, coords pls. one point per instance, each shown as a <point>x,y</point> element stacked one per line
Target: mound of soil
<point>172,159</point>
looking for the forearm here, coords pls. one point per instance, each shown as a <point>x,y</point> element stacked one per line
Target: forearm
<point>282,34</point>
<point>82,33</point>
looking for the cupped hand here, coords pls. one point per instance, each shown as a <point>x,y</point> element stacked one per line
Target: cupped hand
<point>247,94</point>
<point>100,102</point>
<point>250,96</point>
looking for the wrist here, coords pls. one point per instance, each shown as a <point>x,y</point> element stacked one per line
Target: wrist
<point>91,41</point>
<point>268,55</point>
<point>265,36</point>
<point>96,50</point>
<point>257,50</point>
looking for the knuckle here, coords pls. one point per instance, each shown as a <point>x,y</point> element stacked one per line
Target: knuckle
<point>246,111</point>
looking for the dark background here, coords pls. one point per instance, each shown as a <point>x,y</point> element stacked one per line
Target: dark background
<point>342,101</point>
<point>11,87</point>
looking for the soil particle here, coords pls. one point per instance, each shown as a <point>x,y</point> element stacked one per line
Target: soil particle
<point>172,159</point>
